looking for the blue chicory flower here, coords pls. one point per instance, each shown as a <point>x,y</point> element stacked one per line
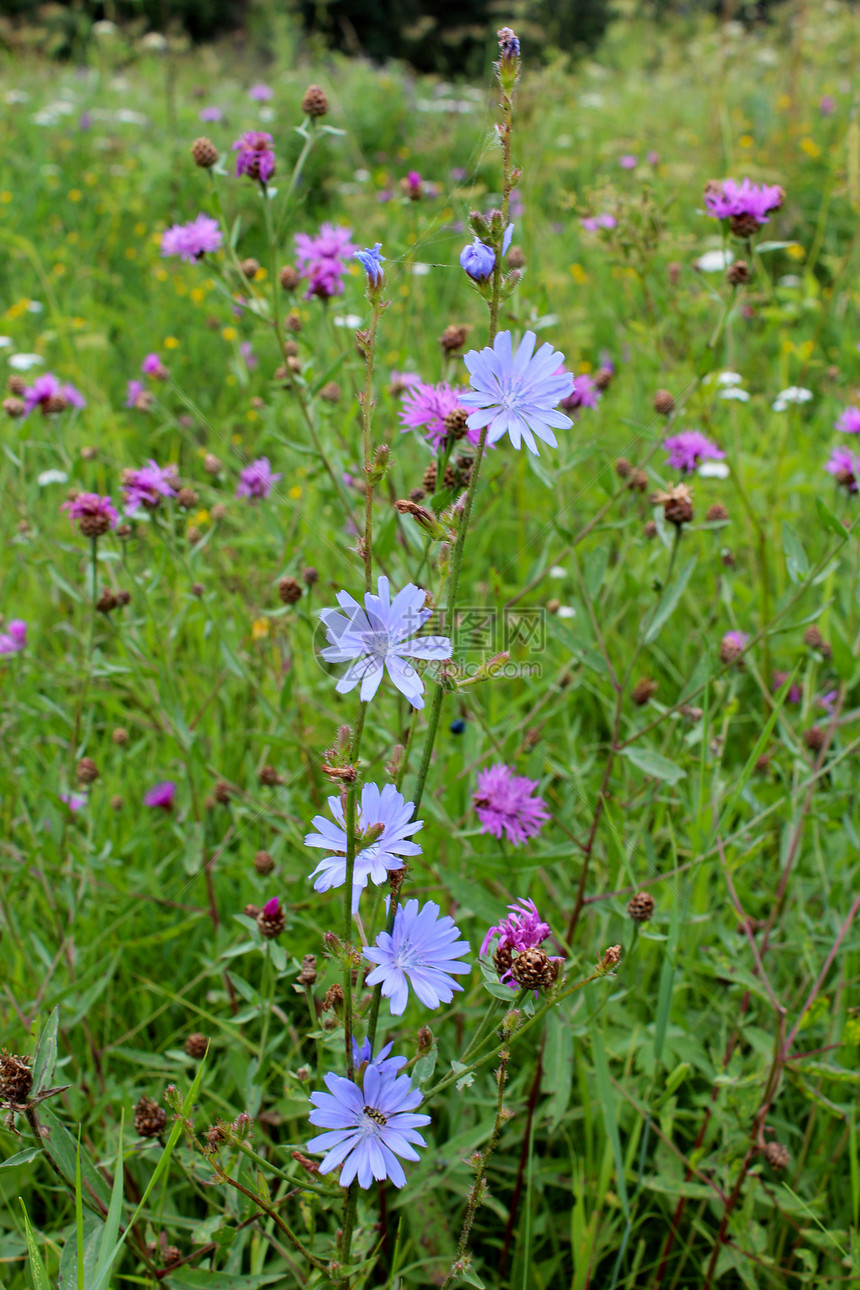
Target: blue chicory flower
<point>372,262</point>
<point>422,951</point>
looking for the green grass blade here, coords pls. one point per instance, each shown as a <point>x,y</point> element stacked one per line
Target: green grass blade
<point>36,1266</point>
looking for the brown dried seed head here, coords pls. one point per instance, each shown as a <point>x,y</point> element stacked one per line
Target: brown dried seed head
<point>271,925</point>
<point>534,969</point>
<point>289,277</point>
<point>17,385</point>
<point>186,498</point>
<point>106,601</point>
<point>643,691</point>
<point>16,1079</point>
<point>120,736</point>
<point>814,738</point>
<point>738,273</point>
<point>333,1001</point>
<point>196,1045</point>
<point>641,906</point>
<point>211,464</point>
<point>263,863</point>
<point>330,392</point>
<point>14,407</point>
<point>315,101</point>
<point>88,771</point>
<point>664,403</point>
<point>716,513</point>
<point>308,974</point>
<point>453,337</point>
<point>149,1118</point>
<point>204,152</point>
<point>250,268</point>
<point>269,776</point>
<point>289,590</point>
<point>649,529</point>
<point>776,1155</point>
<point>623,469</point>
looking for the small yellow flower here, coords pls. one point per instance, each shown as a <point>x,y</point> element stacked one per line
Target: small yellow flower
<point>230,378</point>
<point>295,492</point>
<point>403,153</point>
<point>140,229</point>
<point>236,438</point>
<point>5,197</point>
<point>796,251</point>
<point>91,179</point>
<point>130,252</point>
<point>787,346</point>
<point>202,517</point>
<point>161,273</point>
<point>585,366</point>
<point>229,333</point>
<point>198,295</point>
<point>262,273</point>
<point>75,194</point>
<point>746,141</point>
<point>783,102</point>
<point>260,628</point>
<point>810,147</point>
<point>252,415</point>
<point>806,348</point>
<point>58,270</point>
<point>578,274</point>
<point>72,237</point>
<point>170,342</point>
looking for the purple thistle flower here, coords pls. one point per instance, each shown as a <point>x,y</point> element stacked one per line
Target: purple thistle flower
<point>246,349</point>
<point>689,449</point>
<point>322,259</point>
<point>74,801</point>
<point>272,907</point>
<point>384,824</point>
<point>45,390</point>
<point>653,158</point>
<point>153,366</point>
<point>256,157</point>
<point>14,639</point>
<point>260,93</point>
<point>146,486</point>
<point>628,161</point>
<point>210,114</point>
<point>368,1127</point>
<point>372,262</point>
<point>795,691</point>
<point>191,241</point>
<point>402,382</point>
<point>827,105</point>
<point>845,467</point>
<point>421,951</point>
<point>413,185</point>
<point>95,515</point>
<point>517,394</point>
<point>753,202</point>
<point>506,805</point>
<point>591,223</point>
<point>425,407</point>
<point>478,260</point>
<point>136,396</point>
<point>257,479</point>
<point>849,421</point>
<point>73,396</point>
<point>523,929</point>
<point>585,393</point>
<point>828,700</point>
<point>161,795</point>
<point>375,638</point>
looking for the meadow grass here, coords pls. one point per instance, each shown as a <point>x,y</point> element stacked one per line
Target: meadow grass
<point>639,1108</point>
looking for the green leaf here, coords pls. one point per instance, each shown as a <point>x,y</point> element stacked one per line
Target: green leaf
<point>669,603</point>
<point>796,561</point>
<point>654,763</point>
<point>557,1068</point>
<point>607,1105</point>
<point>108,1244</point>
<point>45,1060</point>
<point>37,1267</point>
<point>829,520</point>
<point>22,1158</point>
<point>64,1150</point>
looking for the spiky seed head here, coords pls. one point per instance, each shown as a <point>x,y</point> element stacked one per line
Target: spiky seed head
<point>641,906</point>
